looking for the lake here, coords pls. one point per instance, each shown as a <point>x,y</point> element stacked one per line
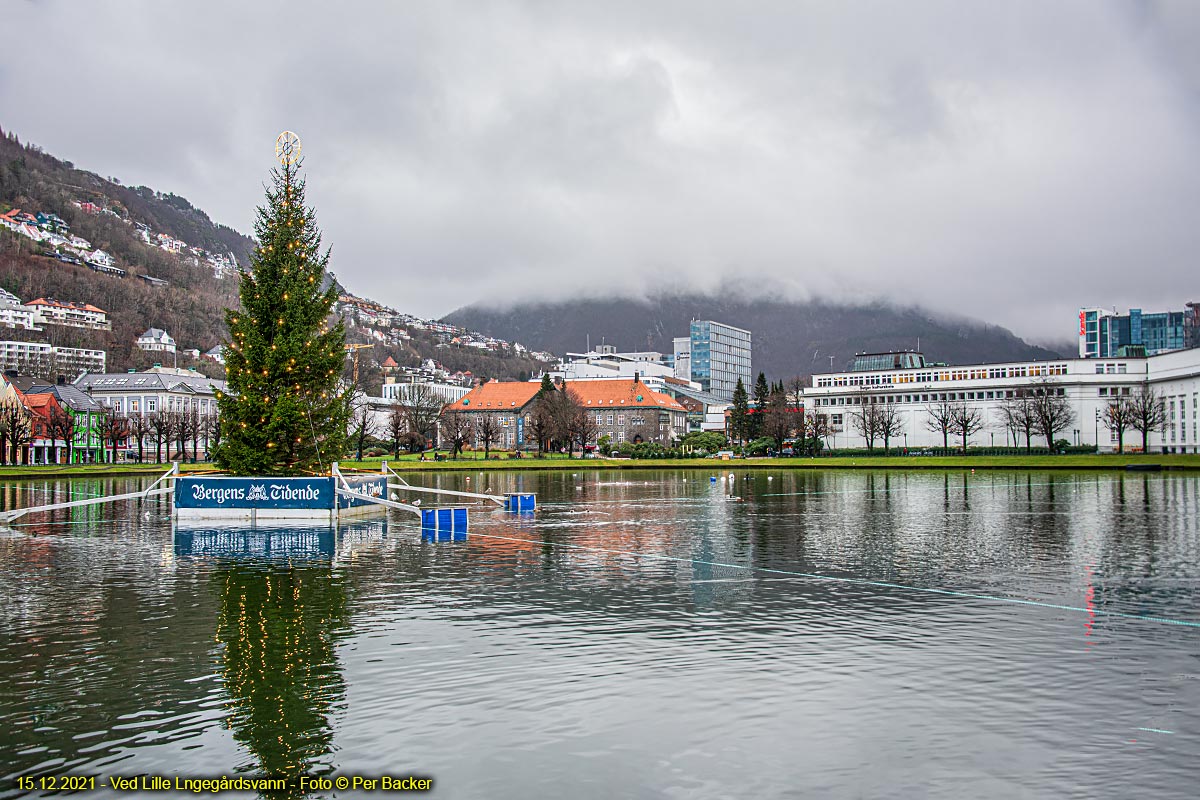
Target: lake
<point>643,634</point>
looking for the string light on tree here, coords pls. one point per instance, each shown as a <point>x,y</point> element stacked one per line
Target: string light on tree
<point>275,423</point>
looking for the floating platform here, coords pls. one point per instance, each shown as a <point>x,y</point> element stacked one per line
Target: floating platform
<point>251,499</point>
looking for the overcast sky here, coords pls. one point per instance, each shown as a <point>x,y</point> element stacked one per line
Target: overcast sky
<point>1005,160</point>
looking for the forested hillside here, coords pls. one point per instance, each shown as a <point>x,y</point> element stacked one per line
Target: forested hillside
<point>789,338</point>
<point>190,307</point>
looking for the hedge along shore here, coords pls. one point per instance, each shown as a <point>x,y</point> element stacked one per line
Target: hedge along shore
<point>1171,462</point>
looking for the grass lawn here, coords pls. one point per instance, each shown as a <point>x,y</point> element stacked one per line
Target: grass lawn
<point>559,461</point>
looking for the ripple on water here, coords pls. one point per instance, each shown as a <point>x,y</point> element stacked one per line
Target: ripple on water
<point>635,638</point>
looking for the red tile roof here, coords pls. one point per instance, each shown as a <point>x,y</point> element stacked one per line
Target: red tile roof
<point>618,393</point>
<point>41,301</point>
<point>592,394</point>
<point>496,395</point>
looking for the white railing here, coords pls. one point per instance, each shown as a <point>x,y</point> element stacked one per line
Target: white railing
<point>17,513</point>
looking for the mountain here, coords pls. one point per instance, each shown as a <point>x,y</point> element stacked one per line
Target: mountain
<point>201,279</point>
<point>789,338</point>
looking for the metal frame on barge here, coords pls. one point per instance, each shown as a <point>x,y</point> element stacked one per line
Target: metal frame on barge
<point>313,499</point>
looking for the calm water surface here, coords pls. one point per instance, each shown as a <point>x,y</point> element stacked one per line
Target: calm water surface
<point>642,635</point>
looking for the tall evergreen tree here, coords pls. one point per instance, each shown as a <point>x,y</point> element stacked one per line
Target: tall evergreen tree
<point>284,413</point>
<point>739,414</point>
<point>762,398</point>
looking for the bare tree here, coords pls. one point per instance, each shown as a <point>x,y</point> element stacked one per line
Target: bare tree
<point>114,429</point>
<point>362,422</point>
<point>184,421</point>
<point>455,430</point>
<point>562,404</point>
<point>61,427</point>
<point>1052,410</point>
<point>16,427</point>
<point>818,428</point>
<point>1019,414</point>
<point>397,425</point>
<point>939,418</point>
<point>888,423</point>
<point>780,419</point>
<point>866,419</point>
<point>422,408</point>
<point>1149,413</point>
<point>541,422</point>
<point>583,429</point>
<point>487,430</point>
<point>196,428</point>
<point>139,429</point>
<point>965,421</point>
<point>1119,416</point>
<point>162,423</point>
<point>212,433</point>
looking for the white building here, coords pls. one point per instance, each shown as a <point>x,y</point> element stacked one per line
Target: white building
<point>153,390</point>
<point>156,339</point>
<point>605,363</point>
<point>683,357</point>
<point>405,392</point>
<point>1088,384</point>
<point>100,258</point>
<point>13,314</point>
<point>72,315</point>
<point>26,357</point>
<point>216,354</point>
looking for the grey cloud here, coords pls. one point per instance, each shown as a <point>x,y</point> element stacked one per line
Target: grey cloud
<point>1009,161</point>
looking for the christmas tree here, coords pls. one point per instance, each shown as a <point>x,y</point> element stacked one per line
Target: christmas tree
<point>284,413</point>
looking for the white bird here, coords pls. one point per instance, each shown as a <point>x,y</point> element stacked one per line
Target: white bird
<point>417,502</point>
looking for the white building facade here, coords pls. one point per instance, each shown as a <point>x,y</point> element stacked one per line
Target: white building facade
<point>156,339</point>
<point>1088,384</point>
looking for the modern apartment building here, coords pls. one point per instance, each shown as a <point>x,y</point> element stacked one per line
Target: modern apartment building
<point>720,355</point>
<point>43,358</point>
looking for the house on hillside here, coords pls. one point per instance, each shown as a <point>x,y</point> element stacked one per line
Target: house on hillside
<point>99,258</point>
<point>156,339</point>
<point>13,314</point>
<point>72,315</point>
<point>216,354</point>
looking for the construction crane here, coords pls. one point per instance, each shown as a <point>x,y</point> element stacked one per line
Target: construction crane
<point>354,348</point>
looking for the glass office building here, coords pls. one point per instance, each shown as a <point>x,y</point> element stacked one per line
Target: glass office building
<point>720,355</point>
<point>1103,333</point>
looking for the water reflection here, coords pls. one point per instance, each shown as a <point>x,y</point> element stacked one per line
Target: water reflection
<point>277,626</point>
<point>634,637</point>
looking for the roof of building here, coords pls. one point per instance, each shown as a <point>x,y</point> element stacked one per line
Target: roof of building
<point>617,393</point>
<point>41,403</point>
<point>390,362</point>
<point>159,379</point>
<point>69,395</point>
<point>42,301</point>
<point>496,395</point>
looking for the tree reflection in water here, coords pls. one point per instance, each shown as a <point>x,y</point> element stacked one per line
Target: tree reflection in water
<point>277,627</point>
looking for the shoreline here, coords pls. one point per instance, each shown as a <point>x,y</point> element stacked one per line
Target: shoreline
<point>1174,462</point>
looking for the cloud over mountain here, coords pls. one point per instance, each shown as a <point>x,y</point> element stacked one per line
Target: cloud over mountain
<point>1009,161</point>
